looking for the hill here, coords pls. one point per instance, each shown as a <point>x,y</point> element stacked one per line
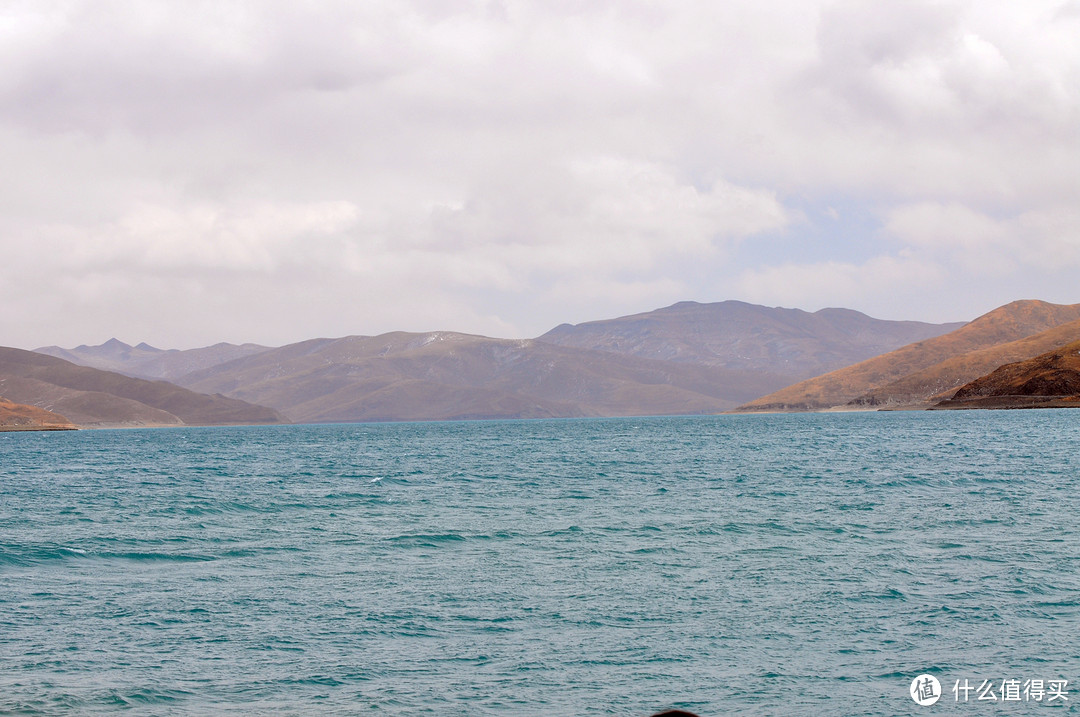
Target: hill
<point>145,361</point>
<point>91,397</point>
<point>1051,379</point>
<point>443,375</point>
<point>924,388</point>
<point>863,382</point>
<point>735,335</point>
<point>19,417</point>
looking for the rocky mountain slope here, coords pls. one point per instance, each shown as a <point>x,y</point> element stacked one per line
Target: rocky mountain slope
<point>1051,379</point>
<point>445,375</point>
<point>90,397</point>
<point>19,417</point>
<point>924,388</point>
<point>912,375</point>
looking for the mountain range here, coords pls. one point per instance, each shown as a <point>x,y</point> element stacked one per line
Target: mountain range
<point>145,361</point>
<point>444,375</point>
<point>686,358</point>
<point>682,359</point>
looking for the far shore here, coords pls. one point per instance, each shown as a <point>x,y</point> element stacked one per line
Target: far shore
<point>12,429</point>
<point>831,409</point>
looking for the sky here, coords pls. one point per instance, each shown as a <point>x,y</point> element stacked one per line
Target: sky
<point>184,173</point>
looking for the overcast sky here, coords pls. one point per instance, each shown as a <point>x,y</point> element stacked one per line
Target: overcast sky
<point>184,173</point>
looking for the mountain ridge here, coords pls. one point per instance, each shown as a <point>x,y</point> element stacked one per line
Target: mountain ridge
<point>147,362</point>
<point>443,375</point>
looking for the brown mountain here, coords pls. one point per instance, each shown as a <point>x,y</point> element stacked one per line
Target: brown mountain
<point>444,375</point>
<point>1051,379</point>
<point>924,388</point>
<point>90,397</point>
<point>19,417</point>
<point>145,361</point>
<point>787,343</point>
<point>913,372</point>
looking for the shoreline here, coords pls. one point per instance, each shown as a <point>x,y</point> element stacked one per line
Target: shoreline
<point>20,429</point>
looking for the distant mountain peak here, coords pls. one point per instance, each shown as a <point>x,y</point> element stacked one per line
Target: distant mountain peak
<point>838,311</point>
<point>146,361</point>
<point>738,335</point>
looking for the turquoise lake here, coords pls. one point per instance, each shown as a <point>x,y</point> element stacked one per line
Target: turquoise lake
<point>761,565</point>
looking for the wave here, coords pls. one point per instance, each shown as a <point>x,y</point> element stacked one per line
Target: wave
<point>28,555</point>
<point>19,555</point>
<point>426,540</point>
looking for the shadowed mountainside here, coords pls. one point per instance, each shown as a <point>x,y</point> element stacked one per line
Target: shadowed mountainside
<point>90,397</point>
<point>919,371</point>
<point>745,337</point>
<point>145,361</point>
<point>443,375</point>
<point>20,417</point>
<point>1049,380</point>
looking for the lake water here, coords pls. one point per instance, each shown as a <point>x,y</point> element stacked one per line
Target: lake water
<point>772,564</point>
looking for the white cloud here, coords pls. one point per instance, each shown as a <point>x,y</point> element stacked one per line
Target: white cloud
<point>258,238</point>
<point>412,159</point>
<point>873,285</point>
<point>951,100</point>
<point>948,262</point>
<point>945,226</point>
<point>598,216</point>
<point>157,238</point>
<point>1043,240</point>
